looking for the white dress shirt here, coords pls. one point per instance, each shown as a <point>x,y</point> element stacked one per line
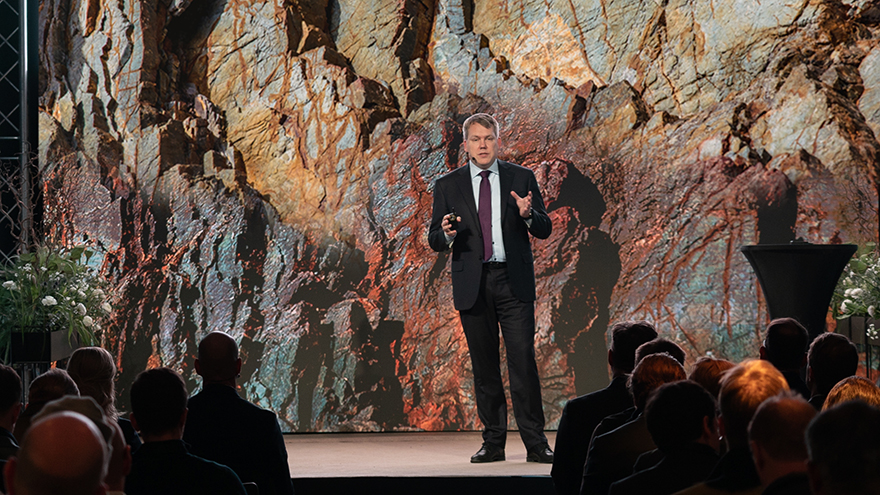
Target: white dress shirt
<point>498,253</point>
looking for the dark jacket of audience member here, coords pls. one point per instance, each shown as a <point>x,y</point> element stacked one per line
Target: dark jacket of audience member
<point>656,346</point>
<point>612,455</point>
<point>776,438</point>
<point>681,419</point>
<point>162,464</point>
<point>843,444</point>
<point>10,407</point>
<point>581,415</point>
<point>785,345</point>
<point>51,385</point>
<point>225,428</point>
<point>831,358</point>
<point>743,389</point>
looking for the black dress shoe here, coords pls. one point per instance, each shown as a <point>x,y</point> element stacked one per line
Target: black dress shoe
<point>488,453</point>
<point>540,453</point>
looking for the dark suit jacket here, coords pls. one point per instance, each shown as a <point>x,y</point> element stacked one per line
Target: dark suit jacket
<point>167,468</point>
<point>613,455</point>
<point>580,416</point>
<point>455,190</point>
<point>679,469</point>
<point>796,383</point>
<point>224,428</point>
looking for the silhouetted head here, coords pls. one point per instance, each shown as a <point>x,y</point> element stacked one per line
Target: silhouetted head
<point>63,453</point>
<point>785,344</point>
<point>708,372</point>
<point>831,358</point>
<point>651,372</point>
<point>743,389</point>
<point>93,370</point>
<point>218,360</point>
<point>844,450</point>
<point>659,345</point>
<point>678,414</point>
<point>158,402</point>
<point>626,337</point>
<point>853,388</point>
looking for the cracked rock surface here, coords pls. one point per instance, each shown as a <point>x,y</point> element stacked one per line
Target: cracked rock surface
<point>265,168</point>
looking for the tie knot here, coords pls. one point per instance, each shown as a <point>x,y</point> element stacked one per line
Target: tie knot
<point>485,174</point>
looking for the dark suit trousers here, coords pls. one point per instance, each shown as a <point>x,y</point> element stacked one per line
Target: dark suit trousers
<point>496,305</point>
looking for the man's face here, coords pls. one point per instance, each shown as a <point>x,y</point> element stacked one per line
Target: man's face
<point>481,145</point>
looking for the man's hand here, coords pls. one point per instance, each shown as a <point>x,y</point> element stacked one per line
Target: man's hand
<point>524,204</point>
<point>447,227</point>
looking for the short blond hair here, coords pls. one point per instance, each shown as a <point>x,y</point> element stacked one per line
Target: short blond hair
<point>853,388</point>
<point>743,389</point>
<point>485,120</point>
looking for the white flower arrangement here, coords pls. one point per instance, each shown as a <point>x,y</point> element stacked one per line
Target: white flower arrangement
<point>50,289</point>
<point>858,290</point>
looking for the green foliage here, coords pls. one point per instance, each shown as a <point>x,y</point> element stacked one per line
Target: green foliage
<point>858,290</point>
<point>51,289</point>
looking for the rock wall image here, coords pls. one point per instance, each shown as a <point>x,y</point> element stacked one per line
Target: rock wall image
<point>265,168</point>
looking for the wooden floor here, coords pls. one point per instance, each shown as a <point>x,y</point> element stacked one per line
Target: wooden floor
<point>423,454</point>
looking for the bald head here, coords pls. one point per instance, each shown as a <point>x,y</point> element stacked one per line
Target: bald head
<point>218,360</point>
<point>63,454</point>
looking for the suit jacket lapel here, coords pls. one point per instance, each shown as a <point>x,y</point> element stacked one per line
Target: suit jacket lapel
<point>505,177</point>
<point>466,188</point>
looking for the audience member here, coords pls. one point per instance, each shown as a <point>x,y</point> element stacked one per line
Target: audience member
<point>831,358</point>
<point>785,345</point>
<point>162,464</point>
<point>581,415</point>
<point>743,389</point>
<point>656,346</point>
<point>853,388</point>
<point>93,370</point>
<point>708,372</point>
<point>119,460</point>
<point>251,442</point>
<point>843,443</point>
<point>51,385</point>
<point>612,455</point>
<point>10,407</point>
<point>776,438</point>
<point>62,454</point>
<point>681,419</point>
<point>659,345</point>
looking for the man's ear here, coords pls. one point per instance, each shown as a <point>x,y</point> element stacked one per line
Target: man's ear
<point>763,353</point>
<point>183,417</point>
<point>238,366</point>
<point>758,456</point>
<point>198,367</point>
<point>610,358</point>
<point>134,423</point>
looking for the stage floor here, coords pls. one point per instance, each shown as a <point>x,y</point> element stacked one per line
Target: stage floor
<point>402,455</point>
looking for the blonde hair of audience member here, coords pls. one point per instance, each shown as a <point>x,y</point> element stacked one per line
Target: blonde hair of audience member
<point>650,373</point>
<point>63,454</point>
<point>708,372</point>
<point>853,388</point>
<point>776,436</point>
<point>93,370</point>
<point>743,389</point>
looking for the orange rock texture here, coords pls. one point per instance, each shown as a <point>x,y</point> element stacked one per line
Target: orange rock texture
<point>265,168</point>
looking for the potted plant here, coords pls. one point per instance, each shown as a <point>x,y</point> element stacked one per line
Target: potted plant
<point>856,301</point>
<point>49,296</point>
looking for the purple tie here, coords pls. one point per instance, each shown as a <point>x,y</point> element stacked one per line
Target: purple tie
<point>485,213</point>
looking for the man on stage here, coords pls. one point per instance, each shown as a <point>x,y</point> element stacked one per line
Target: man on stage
<point>485,212</point>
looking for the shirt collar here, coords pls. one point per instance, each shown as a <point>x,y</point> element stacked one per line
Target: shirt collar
<point>475,170</point>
